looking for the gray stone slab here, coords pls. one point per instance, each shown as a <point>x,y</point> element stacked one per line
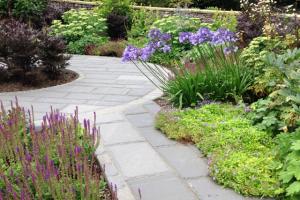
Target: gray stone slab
<point>83,96</point>
<point>207,189</point>
<point>121,132</point>
<point>135,110</point>
<point>111,90</point>
<point>139,92</point>
<point>155,137</point>
<point>119,98</point>
<point>141,120</point>
<point>152,107</point>
<point>138,159</point>
<point>185,161</point>
<point>164,187</point>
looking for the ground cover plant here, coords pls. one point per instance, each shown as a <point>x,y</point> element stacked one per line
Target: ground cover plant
<point>54,161</point>
<point>240,155</point>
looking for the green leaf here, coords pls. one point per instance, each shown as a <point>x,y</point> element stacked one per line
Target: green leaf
<point>293,189</point>
<point>296,145</point>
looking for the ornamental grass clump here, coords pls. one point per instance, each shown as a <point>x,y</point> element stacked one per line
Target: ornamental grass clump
<point>54,161</point>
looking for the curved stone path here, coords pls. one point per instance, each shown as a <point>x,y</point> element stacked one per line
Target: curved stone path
<point>140,161</point>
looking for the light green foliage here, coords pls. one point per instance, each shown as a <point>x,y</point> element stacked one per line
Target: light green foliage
<point>141,23</point>
<point>78,46</point>
<point>281,110</point>
<point>79,26</point>
<point>240,156</point>
<point>254,56</point>
<point>289,148</point>
<point>222,20</point>
<point>215,76</point>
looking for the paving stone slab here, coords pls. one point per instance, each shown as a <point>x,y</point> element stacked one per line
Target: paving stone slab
<point>164,187</point>
<point>206,189</point>
<point>141,120</point>
<point>155,138</point>
<point>138,159</point>
<point>186,162</point>
<point>117,133</point>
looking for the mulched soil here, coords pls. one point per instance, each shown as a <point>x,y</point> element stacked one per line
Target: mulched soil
<point>65,77</point>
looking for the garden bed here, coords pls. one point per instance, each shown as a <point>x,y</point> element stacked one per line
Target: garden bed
<point>66,76</point>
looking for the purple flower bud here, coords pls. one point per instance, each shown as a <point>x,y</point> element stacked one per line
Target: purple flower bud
<point>154,34</point>
<point>77,150</point>
<point>184,37</point>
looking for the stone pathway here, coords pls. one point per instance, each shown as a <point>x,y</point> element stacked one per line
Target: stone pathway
<point>103,83</point>
<point>138,159</point>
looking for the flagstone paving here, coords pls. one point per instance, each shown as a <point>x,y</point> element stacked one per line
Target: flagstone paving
<point>138,160</point>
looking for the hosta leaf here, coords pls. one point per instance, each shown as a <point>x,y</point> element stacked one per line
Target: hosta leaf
<point>293,189</point>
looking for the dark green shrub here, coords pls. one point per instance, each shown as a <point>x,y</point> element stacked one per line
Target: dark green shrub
<point>119,17</point>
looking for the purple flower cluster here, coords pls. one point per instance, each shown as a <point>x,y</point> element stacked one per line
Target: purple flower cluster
<point>205,35</point>
<point>158,41</point>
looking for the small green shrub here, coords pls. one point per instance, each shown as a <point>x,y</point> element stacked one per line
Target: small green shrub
<point>240,156</point>
<point>266,76</point>
<point>80,28</point>
<point>79,46</point>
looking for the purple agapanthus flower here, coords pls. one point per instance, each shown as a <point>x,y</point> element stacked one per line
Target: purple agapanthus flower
<point>158,41</point>
<point>154,34</point>
<point>131,53</point>
<point>203,35</point>
<point>222,36</point>
<point>184,37</point>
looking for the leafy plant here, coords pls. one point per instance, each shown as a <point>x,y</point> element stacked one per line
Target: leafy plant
<point>281,111</point>
<point>80,28</point>
<point>79,46</point>
<point>289,154</point>
<point>26,10</point>
<point>240,156</point>
<point>266,76</point>
<point>142,21</point>
<point>55,161</point>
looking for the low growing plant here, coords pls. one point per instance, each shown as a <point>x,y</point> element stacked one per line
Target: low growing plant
<point>240,156</point>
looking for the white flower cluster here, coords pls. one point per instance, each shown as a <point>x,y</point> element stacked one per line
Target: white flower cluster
<point>263,7</point>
